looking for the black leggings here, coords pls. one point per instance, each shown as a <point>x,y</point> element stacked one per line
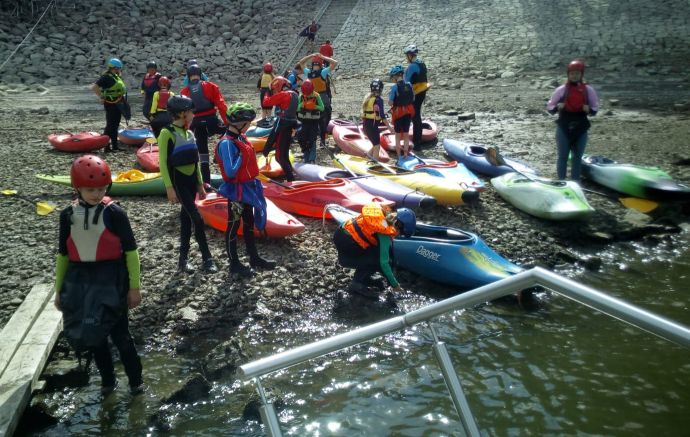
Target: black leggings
<point>186,189</point>
<point>371,130</point>
<point>417,118</point>
<point>325,117</point>
<point>128,355</point>
<point>284,138</point>
<point>203,128</point>
<point>246,218</point>
<point>112,122</point>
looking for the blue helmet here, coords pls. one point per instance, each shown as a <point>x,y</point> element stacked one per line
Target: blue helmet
<point>114,63</point>
<point>408,219</point>
<point>398,69</point>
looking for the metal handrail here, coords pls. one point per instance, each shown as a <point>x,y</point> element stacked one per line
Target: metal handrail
<point>291,57</point>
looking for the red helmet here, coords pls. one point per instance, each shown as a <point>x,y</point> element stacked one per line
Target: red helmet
<point>576,65</point>
<point>268,67</point>
<point>307,87</point>
<point>278,83</point>
<point>90,171</point>
<point>317,61</point>
<point>164,82</point>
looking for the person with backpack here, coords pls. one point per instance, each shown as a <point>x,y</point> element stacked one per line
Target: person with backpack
<point>97,274</point>
<point>295,76</point>
<point>310,33</point>
<point>208,101</point>
<point>573,101</point>
<point>401,100</point>
<point>373,115</point>
<point>181,173</point>
<point>285,100</point>
<point>112,92</point>
<point>309,110</point>
<point>246,203</point>
<point>264,86</point>
<point>149,85</point>
<point>321,78</point>
<point>416,74</point>
<point>159,106</point>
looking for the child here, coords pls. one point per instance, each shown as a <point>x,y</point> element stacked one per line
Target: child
<point>321,78</point>
<point>112,92</point>
<point>286,101</point>
<point>263,86</point>
<point>97,274</point>
<point>309,110</point>
<point>180,169</point>
<point>237,161</point>
<point>159,106</point>
<point>374,114</point>
<point>295,77</point>
<point>401,100</point>
<point>149,85</point>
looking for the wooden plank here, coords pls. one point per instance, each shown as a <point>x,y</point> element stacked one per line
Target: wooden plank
<point>22,373</point>
<point>21,322</point>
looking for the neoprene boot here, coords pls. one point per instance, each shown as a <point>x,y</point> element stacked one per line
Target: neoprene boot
<point>236,267</point>
<point>209,266</point>
<point>255,260</point>
<point>183,264</point>
<point>376,282</point>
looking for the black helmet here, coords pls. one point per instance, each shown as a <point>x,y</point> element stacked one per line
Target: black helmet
<point>192,62</point>
<point>193,70</point>
<point>179,104</point>
<point>152,64</point>
<point>376,85</point>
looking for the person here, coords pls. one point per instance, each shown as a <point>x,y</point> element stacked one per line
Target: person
<point>326,50</point>
<point>573,101</point>
<point>295,76</point>
<point>97,274</point>
<point>310,33</point>
<point>401,98</point>
<point>112,92</point>
<point>364,243</point>
<point>321,78</point>
<point>416,74</point>
<point>185,78</point>
<point>246,203</point>
<point>309,109</point>
<point>159,106</point>
<point>181,172</point>
<point>263,86</point>
<point>149,85</point>
<point>373,115</point>
<point>285,100</point>
<point>208,101</point>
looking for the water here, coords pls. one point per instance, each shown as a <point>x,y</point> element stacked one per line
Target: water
<point>561,369</point>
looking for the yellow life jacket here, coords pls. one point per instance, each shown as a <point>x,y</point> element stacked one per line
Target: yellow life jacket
<point>266,79</point>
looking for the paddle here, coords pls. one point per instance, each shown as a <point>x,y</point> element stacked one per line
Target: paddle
<point>42,208</point>
<point>641,205</point>
<point>336,159</point>
<point>263,177</point>
<point>385,166</point>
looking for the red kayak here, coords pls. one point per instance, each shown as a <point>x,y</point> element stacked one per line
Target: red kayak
<point>79,142</point>
<point>147,157</point>
<point>279,224</point>
<point>354,143</point>
<point>309,198</point>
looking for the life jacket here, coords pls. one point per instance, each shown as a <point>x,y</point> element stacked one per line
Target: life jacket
<point>291,112</point>
<point>196,93</point>
<point>265,80</point>
<point>150,83</point>
<point>419,80</point>
<point>321,85</point>
<point>163,96</point>
<point>574,97</point>
<point>309,111</point>
<point>90,240</point>
<point>313,28</point>
<point>402,104</point>
<point>249,169</point>
<point>364,227</point>
<point>368,108</point>
<point>184,150</point>
<point>116,91</point>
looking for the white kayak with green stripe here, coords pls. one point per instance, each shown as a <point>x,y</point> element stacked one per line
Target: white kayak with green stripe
<point>544,198</point>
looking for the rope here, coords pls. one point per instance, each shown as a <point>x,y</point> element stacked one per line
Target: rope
<point>27,35</point>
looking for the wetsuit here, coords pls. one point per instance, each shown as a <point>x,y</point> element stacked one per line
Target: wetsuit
<point>309,113</point>
<point>159,111</point>
<point>113,92</point>
<point>373,115</point>
<point>286,103</point>
<point>149,85</point>
<point>402,96</point>
<point>416,74</point>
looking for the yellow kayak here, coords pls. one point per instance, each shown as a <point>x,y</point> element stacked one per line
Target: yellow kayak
<point>445,191</point>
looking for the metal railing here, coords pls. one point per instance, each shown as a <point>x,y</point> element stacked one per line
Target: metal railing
<point>289,63</point>
<point>582,294</point>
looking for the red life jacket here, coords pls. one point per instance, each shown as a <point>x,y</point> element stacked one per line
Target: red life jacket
<point>90,240</point>
<point>163,96</point>
<point>575,96</point>
<point>249,169</point>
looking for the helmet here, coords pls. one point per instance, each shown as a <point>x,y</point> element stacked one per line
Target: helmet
<point>152,64</point>
<point>90,171</point>
<point>268,67</point>
<point>398,69</point>
<point>317,60</point>
<point>307,87</point>
<point>193,70</point>
<point>278,83</point>
<point>240,112</point>
<point>163,82</point>
<point>576,65</point>
<point>376,85</point>
<point>192,62</point>
<point>179,104</point>
<point>412,48</point>
<point>408,219</point>
<point>114,63</point>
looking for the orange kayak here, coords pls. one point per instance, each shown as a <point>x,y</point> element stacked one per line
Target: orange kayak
<point>79,142</point>
<point>258,143</point>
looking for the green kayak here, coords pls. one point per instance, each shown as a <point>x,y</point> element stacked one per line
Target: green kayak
<point>150,184</point>
<point>635,180</point>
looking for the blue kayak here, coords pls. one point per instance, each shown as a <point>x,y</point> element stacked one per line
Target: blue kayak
<point>474,157</point>
<point>444,254</point>
<point>134,136</point>
<point>455,171</point>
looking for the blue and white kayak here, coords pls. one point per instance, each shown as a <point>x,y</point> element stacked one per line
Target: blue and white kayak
<point>135,136</point>
<point>444,254</point>
<point>474,157</point>
<point>455,171</point>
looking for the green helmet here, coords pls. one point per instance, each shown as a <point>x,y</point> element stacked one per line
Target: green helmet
<point>240,112</point>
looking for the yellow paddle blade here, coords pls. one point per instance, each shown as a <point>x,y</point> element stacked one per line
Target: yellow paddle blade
<point>262,177</point>
<point>151,140</point>
<point>45,208</point>
<point>642,205</point>
<point>9,192</point>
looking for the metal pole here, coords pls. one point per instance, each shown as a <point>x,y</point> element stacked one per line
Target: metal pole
<point>454,387</point>
<point>268,413</point>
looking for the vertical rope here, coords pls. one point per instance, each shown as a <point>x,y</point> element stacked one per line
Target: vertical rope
<point>28,34</point>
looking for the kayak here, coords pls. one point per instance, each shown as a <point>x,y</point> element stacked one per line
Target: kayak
<point>354,143</point>
<point>445,191</point>
<point>79,142</point>
<point>635,180</point>
<point>269,166</point>
<point>309,198</point>
<point>453,170</point>
<point>444,254</point>
<point>400,194</point>
<point>147,157</point>
<point>429,129</point>
<point>474,157</point>
<point>129,183</point>
<point>279,224</point>
<point>544,198</point>
<point>258,143</point>
<point>134,136</point>
<point>258,131</point>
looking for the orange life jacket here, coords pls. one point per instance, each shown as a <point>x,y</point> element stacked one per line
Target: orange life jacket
<point>371,221</point>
